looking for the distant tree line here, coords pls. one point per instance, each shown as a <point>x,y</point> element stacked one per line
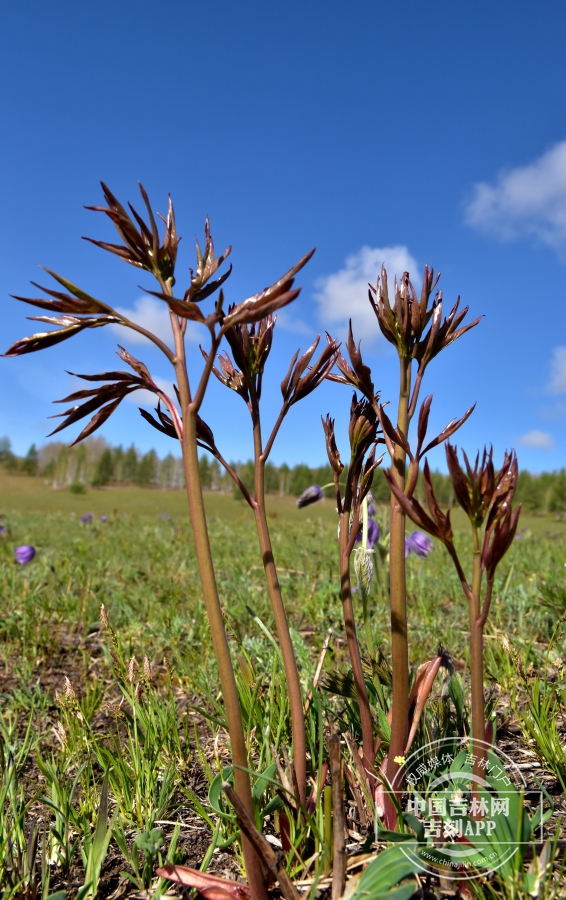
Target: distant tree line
<point>96,463</point>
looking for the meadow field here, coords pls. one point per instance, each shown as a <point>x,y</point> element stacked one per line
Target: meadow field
<point>122,715</point>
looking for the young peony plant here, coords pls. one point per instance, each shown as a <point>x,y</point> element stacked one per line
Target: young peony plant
<point>72,310</point>
<point>415,327</point>
<point>486,497</point>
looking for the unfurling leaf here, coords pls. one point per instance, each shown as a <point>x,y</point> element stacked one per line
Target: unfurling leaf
<point>361,371</point>
<point>269,300</point>
<point>229,375</point>
<point>205,435</point>
<point>135,364</point>
<point>184,310</point>
<point>80,303</point>
<point>498,539</point>
<point>442,335</point>
<point>141,246</point>
<point>474,490</point>
<point>213,286</point>
<point>434,522</point>
<point>448,430</point>
<point>301,378</point>
<point>207,265</point>
<point>165,423</point>
<point>256,307</point>
<point>49,338</point>
<point>331,448</point>
<point>420,692</point>
<point>107,396</point>
<point>394,434</point>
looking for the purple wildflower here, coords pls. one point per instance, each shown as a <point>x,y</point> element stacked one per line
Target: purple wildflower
<point>24,554</point>
<point>373,534</point>
<point>86,518</point>
<point>418,543</point>
<point>2,529</point>
<point>103,518</point>
<point>166,516</point>
<point>371,509</point>
<point>312,495</point>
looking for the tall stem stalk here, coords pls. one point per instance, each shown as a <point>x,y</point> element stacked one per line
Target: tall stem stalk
<point>353,647</point>
<point>476,661</point>
<point>399,637</point>
<point>364,589</point>
<point>281,622</point>
<point>221,650</point>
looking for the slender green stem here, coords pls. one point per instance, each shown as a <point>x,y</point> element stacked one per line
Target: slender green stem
<point>353,647</point>
<point>399,635</point>
<point>281,622</point>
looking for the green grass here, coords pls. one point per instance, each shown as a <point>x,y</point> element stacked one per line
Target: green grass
<point>22,494</point>
<point>142,567</point>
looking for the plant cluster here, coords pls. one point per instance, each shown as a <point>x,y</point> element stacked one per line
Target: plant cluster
<point>388,720</point>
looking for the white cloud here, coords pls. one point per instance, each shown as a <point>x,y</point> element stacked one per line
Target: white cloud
<point>553,413</point>
<point>344,294</point>
<point>288,321</point>
<point>153,315</point>
<point>538,440</point>
<point>557,384</point>
<point>527,200</point>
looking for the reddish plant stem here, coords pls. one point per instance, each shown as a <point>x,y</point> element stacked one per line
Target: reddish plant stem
<point>398,602</point>
<point>281,621</point>
<point>338,823</point>
<point>190,410</point>
<point>220,643</point>
<point>353,648</point>
<point>476,663</point>
<point>478,616</point>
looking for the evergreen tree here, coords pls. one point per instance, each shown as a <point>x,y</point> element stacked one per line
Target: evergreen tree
<point>379,487</point>
<point>104,472</point>
<point>557,501</point>
<point>283,478</point>
<point>442,486</point>
<point>215,474</point>
<point>246,472</point>
<point>117,462</point>
<point>147,469</point>
<point>167,471</point>
<point>10,462</point>
<point>130,465</point>
<point>5,448</point>
<point>205,473</point>
<point>30,461</point>
<point>79,459</point>
<point>271,479</point>
<point>530,492</point>
<point>49,469</point>
<point>547,483</point>
<point>322,476</point>
<point>300,479</point>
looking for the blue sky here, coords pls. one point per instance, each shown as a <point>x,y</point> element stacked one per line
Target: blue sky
<point>406,132</point>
